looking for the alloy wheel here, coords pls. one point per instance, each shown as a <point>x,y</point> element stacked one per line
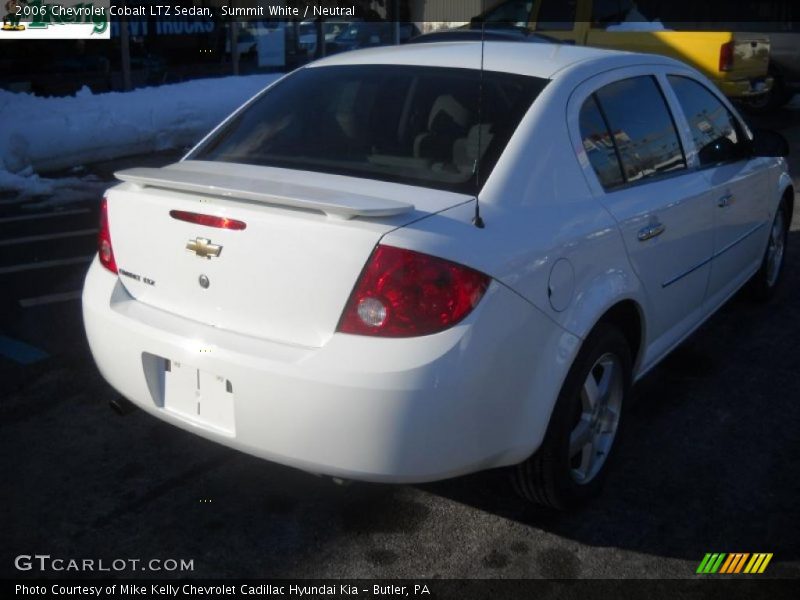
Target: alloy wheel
<point>593,434</point>
<point>775,249</point>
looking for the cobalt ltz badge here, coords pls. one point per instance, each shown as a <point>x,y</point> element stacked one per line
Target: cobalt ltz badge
<point>55,20</point>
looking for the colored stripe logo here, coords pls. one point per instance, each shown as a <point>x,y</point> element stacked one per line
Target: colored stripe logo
<point>734,563</point>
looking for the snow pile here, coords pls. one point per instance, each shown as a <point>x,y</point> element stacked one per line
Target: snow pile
<point>41,134</point>
<point>64,190</point>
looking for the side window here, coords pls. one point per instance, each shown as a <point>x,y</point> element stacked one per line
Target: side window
<point>717,136</point>
<point>599,146</point>
<point>642,127</point>
<point>556,15</point>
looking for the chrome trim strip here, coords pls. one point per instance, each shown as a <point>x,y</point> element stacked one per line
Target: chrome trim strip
<point>736,241</point>
<point>685,273</point>
<point>713,256</point>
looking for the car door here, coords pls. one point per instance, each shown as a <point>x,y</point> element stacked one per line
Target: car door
<point>738,184</point>
<point>632,155</point>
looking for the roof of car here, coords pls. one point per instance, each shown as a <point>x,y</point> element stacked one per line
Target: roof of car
<point>537,60</point>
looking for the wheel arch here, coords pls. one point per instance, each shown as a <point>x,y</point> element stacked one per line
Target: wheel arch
<point>787,193</point>
<point>627,316</point>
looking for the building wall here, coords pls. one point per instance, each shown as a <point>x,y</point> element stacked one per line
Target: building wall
<point>435,14</point>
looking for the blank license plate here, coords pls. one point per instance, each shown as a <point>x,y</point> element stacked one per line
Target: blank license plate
<point>199,396</point>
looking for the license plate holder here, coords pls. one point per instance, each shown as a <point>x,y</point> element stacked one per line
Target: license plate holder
<point>199,396</point>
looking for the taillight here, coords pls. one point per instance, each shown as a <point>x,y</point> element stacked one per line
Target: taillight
<point>207,220</point>
<point>402,293</point>
<point>726,56</point>
<point>104,249</point>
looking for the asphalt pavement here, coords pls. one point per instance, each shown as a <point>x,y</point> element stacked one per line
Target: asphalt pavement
<point>709,461</point>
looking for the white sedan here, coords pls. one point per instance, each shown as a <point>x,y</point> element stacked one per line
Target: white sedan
<point>410,263</point>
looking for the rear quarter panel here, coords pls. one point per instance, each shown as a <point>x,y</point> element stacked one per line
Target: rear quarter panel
<point>538,210</point>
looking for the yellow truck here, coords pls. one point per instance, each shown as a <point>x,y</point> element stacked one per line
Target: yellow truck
<point>736,62</point>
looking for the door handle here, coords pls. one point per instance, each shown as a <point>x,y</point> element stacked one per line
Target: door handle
<point>726,200</point>
<point>651,231</point>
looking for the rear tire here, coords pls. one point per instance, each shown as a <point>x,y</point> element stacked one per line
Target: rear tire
<point>570,466</point>
<point>764,283</point>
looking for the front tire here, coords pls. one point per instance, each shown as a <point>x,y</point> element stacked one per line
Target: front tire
<point>766,280</point>
<point>570,467</point>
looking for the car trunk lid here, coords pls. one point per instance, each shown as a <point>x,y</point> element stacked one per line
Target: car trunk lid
<point>287,275</point>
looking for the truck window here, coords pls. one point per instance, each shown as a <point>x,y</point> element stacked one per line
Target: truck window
<point>642,128</point>
<point>514,12</point>
<point>599,146</point>
<point>556,15</point>
<point>717,136</point>
<point>608,12</point>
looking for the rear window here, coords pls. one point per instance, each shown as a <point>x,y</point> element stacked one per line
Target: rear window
<point>406,124</point>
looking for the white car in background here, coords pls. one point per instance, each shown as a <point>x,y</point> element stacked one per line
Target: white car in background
<point>391,266</point>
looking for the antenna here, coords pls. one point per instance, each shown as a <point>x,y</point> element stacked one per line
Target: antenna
<point>476,219</point>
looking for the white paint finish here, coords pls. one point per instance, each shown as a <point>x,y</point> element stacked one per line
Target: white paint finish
<point>561,285</point>
<point>740,227</point>
<point>401,410</point>
<point>228,181</point>
<point>285,277</point>
<point>475,396</point>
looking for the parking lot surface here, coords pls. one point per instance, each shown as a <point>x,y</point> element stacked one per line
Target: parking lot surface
<point>709,461</point>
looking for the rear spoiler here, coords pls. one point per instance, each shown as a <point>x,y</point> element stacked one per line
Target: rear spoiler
<point>332,203</point>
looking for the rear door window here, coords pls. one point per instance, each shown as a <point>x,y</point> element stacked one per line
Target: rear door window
<point>599,146</point>
<point>641,127</point>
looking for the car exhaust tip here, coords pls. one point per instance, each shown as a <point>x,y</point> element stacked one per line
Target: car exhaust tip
<point>121,406</point>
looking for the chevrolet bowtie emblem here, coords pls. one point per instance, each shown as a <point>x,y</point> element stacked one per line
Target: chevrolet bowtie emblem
<point>203,248</point>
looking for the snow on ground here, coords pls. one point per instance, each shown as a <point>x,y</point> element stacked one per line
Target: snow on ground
<point>63,190</point>
<point>44,134</point>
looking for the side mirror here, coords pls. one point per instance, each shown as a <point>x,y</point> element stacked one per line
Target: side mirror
<point>718,151</point>
<point>769,143</point>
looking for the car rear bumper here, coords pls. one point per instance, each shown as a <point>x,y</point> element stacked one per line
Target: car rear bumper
<point>746,88</point>
<point>394,410</point>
